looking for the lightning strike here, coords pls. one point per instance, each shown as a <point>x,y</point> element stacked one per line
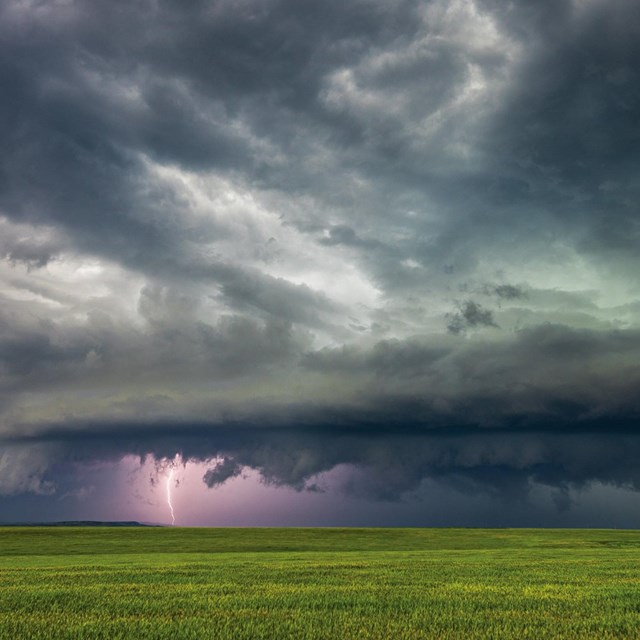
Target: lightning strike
<point>169,481</point>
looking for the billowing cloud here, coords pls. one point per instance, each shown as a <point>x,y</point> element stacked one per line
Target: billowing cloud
<point>23,469</point>
<point>225,469</point>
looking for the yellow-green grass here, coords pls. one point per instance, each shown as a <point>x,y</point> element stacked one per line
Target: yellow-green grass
<point>318,583</point>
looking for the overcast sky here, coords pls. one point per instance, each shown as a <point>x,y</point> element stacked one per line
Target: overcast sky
<point>362,262</point>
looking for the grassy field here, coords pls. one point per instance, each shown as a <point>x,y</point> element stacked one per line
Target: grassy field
<point>318,583</point>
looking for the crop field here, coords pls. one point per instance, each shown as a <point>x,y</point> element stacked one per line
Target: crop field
<point>318,583</point>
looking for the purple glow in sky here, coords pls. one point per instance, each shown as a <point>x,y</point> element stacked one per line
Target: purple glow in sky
<point>133,490</point>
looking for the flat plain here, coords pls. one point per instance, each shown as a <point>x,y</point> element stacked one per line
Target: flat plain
<point>318,583</point>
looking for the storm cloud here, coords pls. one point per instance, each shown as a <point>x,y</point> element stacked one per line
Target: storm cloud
<point>395,237</point>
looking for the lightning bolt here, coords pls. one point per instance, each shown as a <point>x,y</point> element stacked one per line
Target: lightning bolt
<point>169,481</point>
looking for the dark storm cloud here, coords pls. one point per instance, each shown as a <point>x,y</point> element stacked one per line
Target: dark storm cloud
<point>471,314</point>
<point>87,93</point>
<point>296,235</point>
<point>567,124</point>
<point>223,471</point>
<point>504,463</point>
<point>209,85</point>
<point>470,415</point>
<point>277,297</point>
<point>550,375</point>
<point>342,234</point>
<point>73,133</point>
<point>37,355</point>
<point>90,111</point>
<point>508,291</point>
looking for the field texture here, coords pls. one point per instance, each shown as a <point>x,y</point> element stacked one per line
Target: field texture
<point>318,583</point>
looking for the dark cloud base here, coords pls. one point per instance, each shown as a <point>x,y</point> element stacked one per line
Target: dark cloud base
<point>395,461</point>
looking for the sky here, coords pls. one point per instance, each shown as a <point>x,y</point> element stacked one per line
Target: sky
<point>364,262</point>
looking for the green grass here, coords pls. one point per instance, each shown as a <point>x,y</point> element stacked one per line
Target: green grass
<point>318,583</point>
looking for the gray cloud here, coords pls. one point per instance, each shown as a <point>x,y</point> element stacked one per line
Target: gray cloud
<point>475,413</point>
<point>223,471</point>
<point>471,315</point>
<point>23,469</point>
<point>393,462</point>
<point>508,291</point>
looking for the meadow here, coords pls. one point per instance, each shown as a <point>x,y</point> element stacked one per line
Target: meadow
<point>318,583</point>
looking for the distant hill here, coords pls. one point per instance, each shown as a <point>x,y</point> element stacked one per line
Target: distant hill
<point>80,523</point>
